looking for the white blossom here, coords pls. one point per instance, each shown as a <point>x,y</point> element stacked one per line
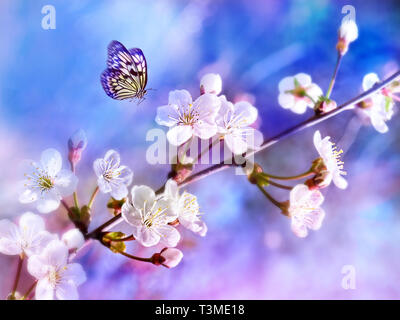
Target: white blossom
<point>73,239</point>
<point>211,83</point>
<point>304,210</point>
<point>331,157</point>
<point>381,108</point>
<point>298,92</point>
<point>172,257</point>
<point>233,122</point>
<point>56,278</point>
<point>47,183</point>
<point>149,216</point>
<point>186,118</point>
<point>186,207</point>
<point>27,238</point>
<point>112,177</point>
<point>348,31</point>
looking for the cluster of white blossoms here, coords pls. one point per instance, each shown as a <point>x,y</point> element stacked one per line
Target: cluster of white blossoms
<point>47,256</point>
<point>210,116</point>
<point>305,201</point>
<point>153,217</point>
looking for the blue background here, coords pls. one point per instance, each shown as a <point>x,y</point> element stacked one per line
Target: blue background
<point>49,87</point>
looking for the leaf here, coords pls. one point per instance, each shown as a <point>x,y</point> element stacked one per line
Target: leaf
<point>115,246</point>
<point>118,246</point>
<point>114,236</point>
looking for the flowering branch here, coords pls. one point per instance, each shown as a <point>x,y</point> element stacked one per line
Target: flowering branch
<point>154,215</point>
<point>349,105</point>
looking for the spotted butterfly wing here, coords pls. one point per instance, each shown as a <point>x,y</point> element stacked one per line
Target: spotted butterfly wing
<point>126,75</point>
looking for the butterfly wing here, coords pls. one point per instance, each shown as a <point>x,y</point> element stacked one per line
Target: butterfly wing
<point>118,86</point>
<point>126,76</point>
<point>141,65</point>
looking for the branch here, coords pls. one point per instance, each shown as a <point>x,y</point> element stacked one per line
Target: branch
<point>349,105</point>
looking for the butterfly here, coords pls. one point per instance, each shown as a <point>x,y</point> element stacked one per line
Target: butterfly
<point>126,73</point>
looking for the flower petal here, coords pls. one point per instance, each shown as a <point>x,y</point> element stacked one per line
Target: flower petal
<point>303,79</point>
<point>146,236</point>
<point>131,215</point>
<point>298,193</point>
<point>286,84</point>
<point>339,181</point>
<point>171,189</point>
<point>142,196</point>
<point>9,238</point>
<point>236,143</point>
<point>51,161</point>
<point>179,134</point>
<point>169,235</point>
<point>28,196</point>
<point>167,115</point>
<point>207,105</point>
<point>369,81</point>
<point>32,222</point>
<point>66,291</point>
<point>99,167</point>
<point>300,106</point>
<point>66,182</point>
<point>204,130</point>
<point>112,158</point>
<point>247,114</point>
<point>48,204</point>
<point>44,290</point>
<point>36,267</point>
<point>379,123</point>
<point>181,98</point>
<point>299,230</point>
<point>56,254</point>
<point>104,186</point>
<point>119,191</point>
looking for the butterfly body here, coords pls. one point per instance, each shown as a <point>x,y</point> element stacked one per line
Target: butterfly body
<point>126,73</point>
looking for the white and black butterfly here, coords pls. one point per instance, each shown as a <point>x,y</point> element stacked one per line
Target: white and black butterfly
<point>126,73</point>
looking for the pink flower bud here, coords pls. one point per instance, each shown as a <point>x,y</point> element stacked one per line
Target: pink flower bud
<point>168,257</point>
<point>76,144</point>
<point>325,106</point>
<point>211,83</point>
<point>73,239</point>
<point>172,257</point>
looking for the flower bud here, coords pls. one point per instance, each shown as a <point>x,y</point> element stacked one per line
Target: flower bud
<point>325,106</point>
<point>211,83</point>
<point>348,32</point>
<point>320,180</point>
<point>76,144</point>
<point>73,239</point>
<point>253,173</point>
<point>168,257</point>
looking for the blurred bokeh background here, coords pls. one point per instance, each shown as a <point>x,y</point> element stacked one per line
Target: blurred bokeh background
<point>49,87</point>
